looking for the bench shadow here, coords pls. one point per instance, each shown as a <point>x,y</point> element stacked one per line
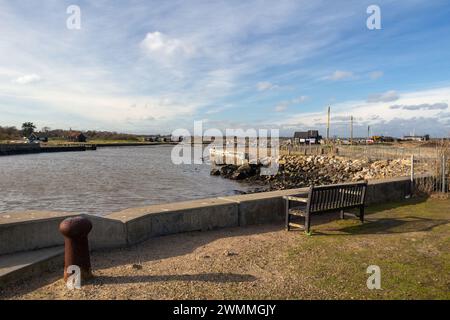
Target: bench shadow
<point>395,226</point>
<point>371,209</point>
<point>388,225</point>
<point>30,284</point>
<point>203,277</point>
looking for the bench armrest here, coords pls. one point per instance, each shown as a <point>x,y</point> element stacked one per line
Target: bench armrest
<point>298,199</point>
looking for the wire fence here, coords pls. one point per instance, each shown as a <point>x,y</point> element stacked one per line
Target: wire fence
<point>429,167</point>
<point>431,175</point>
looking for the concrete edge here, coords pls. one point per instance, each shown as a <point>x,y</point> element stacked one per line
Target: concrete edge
<point>44,262</point>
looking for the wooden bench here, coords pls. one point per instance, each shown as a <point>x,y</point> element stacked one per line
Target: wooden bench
<point>321,199</point>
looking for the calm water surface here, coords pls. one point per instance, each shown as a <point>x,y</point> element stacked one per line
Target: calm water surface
<point>104,181</point>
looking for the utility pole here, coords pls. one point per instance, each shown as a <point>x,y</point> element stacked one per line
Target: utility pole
<point>368,132</point>
<point>328,125</point>
<point>351,129</point>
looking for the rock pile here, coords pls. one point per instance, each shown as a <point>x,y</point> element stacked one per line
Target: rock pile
<point>299,171</point>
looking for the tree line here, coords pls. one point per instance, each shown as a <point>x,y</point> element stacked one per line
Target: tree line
<point>13,133</point>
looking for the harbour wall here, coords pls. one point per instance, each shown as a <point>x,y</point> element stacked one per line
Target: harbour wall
<point>27,148</point>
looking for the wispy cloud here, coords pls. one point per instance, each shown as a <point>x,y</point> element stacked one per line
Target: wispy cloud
<point>423,106</point>
<point>340,75</point>
<point>149,66</point>
<point>376,75</point>
<point>265,85</point>
<point>283,106</point>
<point>387,96</point>
<point>27,79</point>
<point>382,117</point>
<point>156,43</point>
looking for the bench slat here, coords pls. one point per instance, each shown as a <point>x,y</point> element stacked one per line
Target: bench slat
<point>296,225</point>
<point>293,198</point>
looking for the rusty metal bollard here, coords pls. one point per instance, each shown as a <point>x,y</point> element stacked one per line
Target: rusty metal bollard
<point>76,245</point>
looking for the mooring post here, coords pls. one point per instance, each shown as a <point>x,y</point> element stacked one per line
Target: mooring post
<point>76,246</point>
<point>444,165</point>
<point>412,174</point>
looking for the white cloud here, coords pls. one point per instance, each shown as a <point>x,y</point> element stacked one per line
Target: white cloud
<point>376,75</point>
<point>157,43</point>
<point>387,96</point>
<point>300,99</point>
<point>339,75</point>
<point>282,106</point>
<point>265,85</point>
<point>381,116</point>
<point>423,106</point>
<point>27,79</point>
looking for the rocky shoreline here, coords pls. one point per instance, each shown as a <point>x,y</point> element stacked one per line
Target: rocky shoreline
<point>296,171</point>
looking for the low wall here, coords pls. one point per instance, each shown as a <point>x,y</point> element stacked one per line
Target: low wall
<point>19,148</point>
<point>30,230</point>
<point>33,230</point>
<point>21,231</point>
<point>26,148</point>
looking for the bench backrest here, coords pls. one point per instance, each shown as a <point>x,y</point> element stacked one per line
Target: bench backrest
<point>334,197</point>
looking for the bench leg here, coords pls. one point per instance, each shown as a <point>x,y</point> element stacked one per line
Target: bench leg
<point>307,224</point>
<point>361,213</point>
<point>287,214</point>
<point>342,214</point>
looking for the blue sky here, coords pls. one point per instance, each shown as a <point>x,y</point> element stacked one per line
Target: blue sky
<point>155,66</point>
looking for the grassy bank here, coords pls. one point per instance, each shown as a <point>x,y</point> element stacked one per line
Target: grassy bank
<point>103,142</point>
<point>409,241</point>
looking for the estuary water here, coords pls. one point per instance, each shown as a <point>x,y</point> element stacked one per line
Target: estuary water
<point>106,180</point>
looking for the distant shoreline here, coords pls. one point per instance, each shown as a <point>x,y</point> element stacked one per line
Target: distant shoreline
<point>33,148</point>
<point>9,149</point>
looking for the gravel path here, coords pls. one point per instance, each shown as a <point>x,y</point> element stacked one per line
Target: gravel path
<point>224,264</point>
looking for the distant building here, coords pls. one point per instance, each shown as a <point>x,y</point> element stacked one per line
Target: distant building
<point>383,139</point>
<point>166,138</point>
<point>152,138</point>
<point>417,138</point>
<point>159,138</point>
<point>77,137</point>
<point>307,137</point>
<point>36,137</point>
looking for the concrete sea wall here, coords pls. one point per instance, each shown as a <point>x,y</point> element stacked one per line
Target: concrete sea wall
<point>19,148</point>
<point>26,148</point>
<point>36,229</point>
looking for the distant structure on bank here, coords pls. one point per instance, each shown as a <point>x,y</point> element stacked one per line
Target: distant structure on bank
<point>37,137</point>
<point>377,139</point>
<point>307,137</point>
<point>76,137</point>
<point>159,138</point>
<point>417,138</point>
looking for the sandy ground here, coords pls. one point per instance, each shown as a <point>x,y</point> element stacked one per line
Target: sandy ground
<point>266,262</point>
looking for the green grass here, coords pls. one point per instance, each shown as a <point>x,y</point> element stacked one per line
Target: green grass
<point>93,141</point>
<point>409,241</point>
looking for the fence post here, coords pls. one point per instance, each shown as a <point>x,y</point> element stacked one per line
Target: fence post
<point>412,174</point>
<point>443,174</point>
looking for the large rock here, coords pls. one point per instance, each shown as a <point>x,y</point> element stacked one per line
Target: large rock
<point>228,170</point>
<point>243,172</point>
<point>215,172</point>
<point>297,171</point>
